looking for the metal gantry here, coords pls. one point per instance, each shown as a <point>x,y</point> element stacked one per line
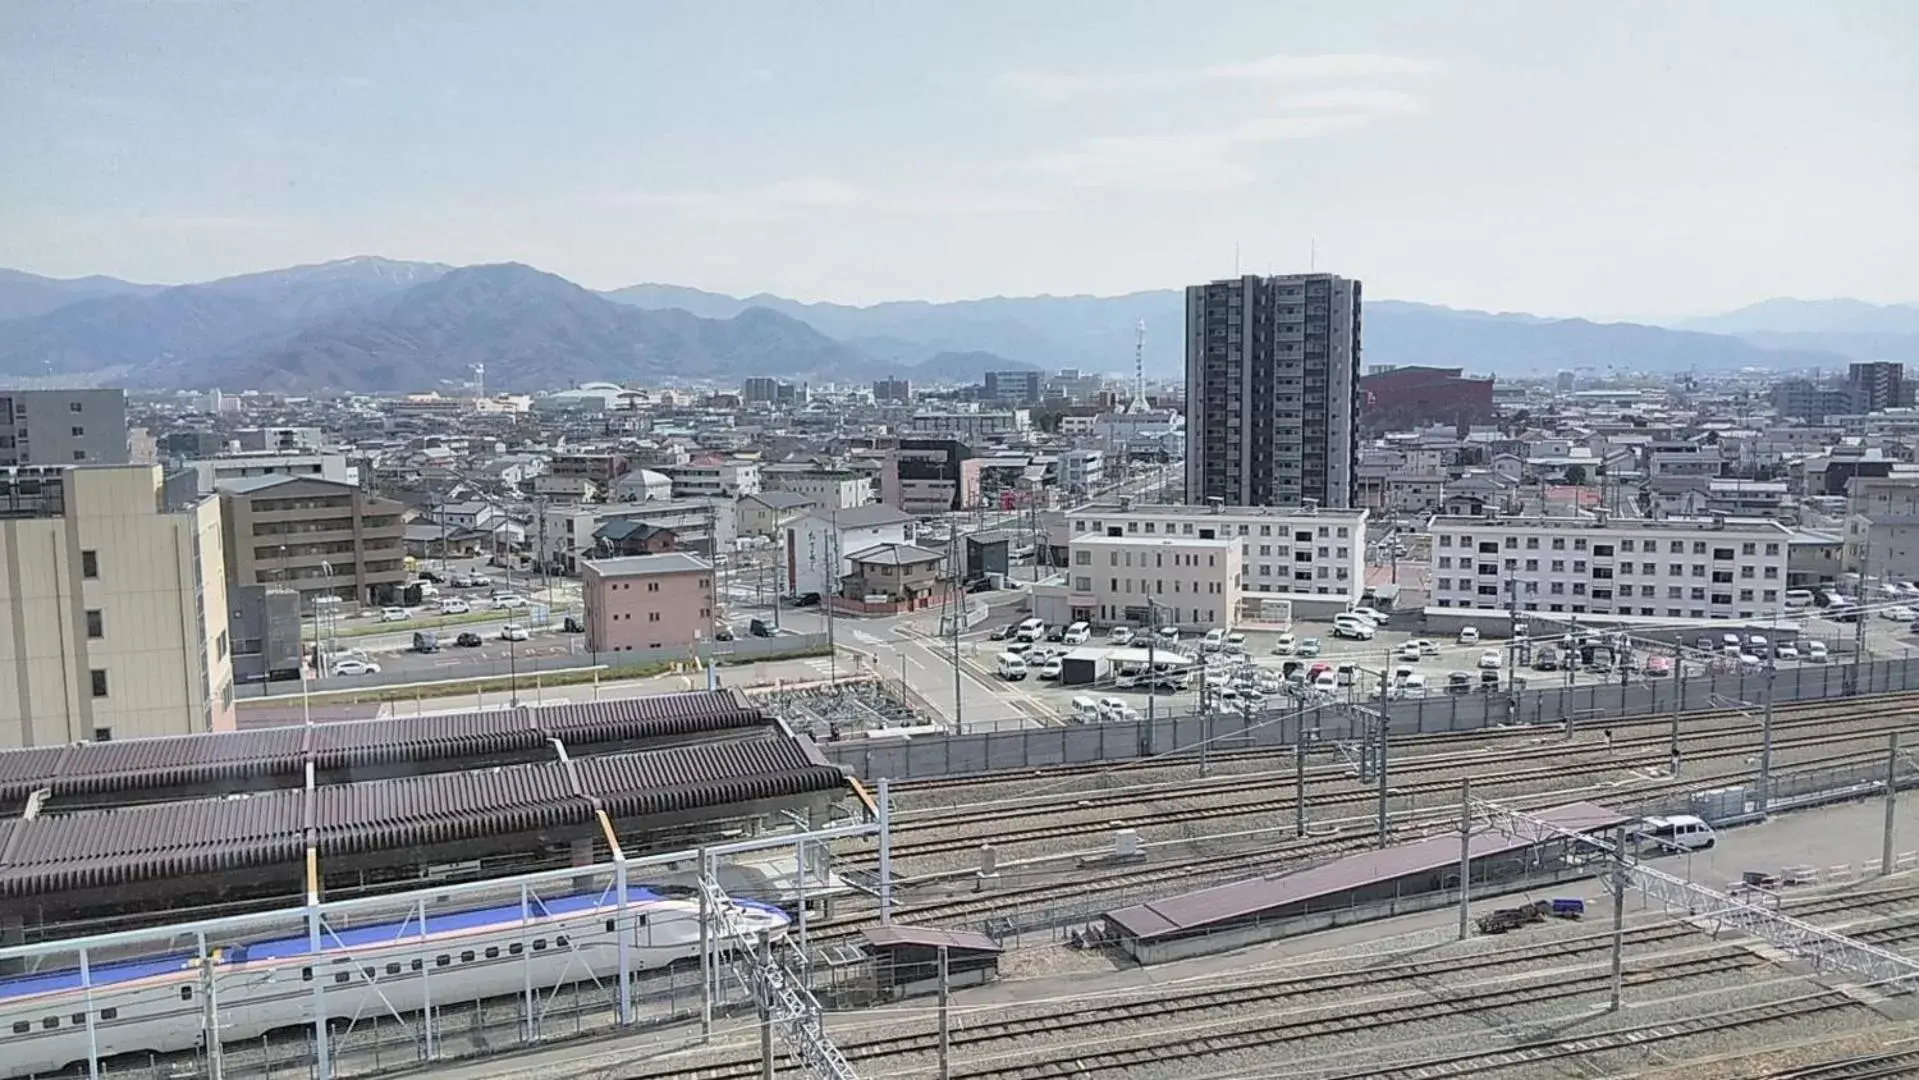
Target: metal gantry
<point>1817,945</point>
<point>791,1009</point>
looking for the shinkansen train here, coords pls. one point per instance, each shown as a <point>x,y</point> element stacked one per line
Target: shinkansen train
<point>155,1005</point>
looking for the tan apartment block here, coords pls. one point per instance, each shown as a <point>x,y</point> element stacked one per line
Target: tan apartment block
<point>320,537</point>
<point>115,623</point>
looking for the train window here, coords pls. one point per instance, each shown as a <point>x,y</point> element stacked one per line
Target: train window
<point>371,973</point>
<point>640,919</point>
<point>306,974</point>
<point>79,1019</point>
<point>393,969</point>
<point>186,993</point>
<point>559,941</point>
<point>109,1014</point>
<point>340,977</point>
<point>21,1027</point>
<point>443,960</point>
<point>50,1023</point>
<point>466,957</point>
<point>417,964</point>
<point>609,926</point>
<point>539,944</point>
<point>515,949</point>
<point>493,952</point>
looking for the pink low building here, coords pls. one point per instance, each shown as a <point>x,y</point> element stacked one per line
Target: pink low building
<point>644,603</point>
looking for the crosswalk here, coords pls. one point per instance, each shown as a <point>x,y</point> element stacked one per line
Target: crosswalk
<point>866,638</point>
<point>825,668</point>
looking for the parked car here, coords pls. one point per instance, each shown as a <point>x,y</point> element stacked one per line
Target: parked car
<point>508,602</point>
<point>722,633</point>
<point>1410,651</point>
<point>1120,635</point>
<point>1308,647</point>
<point>1459,682</point>
<point>1056,633</point>
<point>1001,633</point>
<point>1546,659</point>
<point>1077,634</point>
<point>426,641</point>
<point>1469,635</point>
<point>1287,645</point>
<point>1427,648</point>
<point>1050,668</point>
<point>1235,642</point>
<point>455,607</point>
<point>395,614</point>
<point>759,628</point>
<point>1489,660</point>
<point>574,624</point>
<point>1898,613</point>
<point>513,632</point>
<point>468,640</point>
<point>353,666</point>
<point>1357,630</point>
<point>1816,652</point>
<point>1785,650</point>
<point>1372,615</point>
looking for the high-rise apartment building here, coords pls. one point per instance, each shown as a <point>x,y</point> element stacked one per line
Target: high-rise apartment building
<point>1014,387</point>
<point>63,427</point>
<point>1877,386</point>
<point>1272,391</point>
<point>115,586</point>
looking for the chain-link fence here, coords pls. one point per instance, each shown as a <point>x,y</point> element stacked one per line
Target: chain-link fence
<point>1128,740</point>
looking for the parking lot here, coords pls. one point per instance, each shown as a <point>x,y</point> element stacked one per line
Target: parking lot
<point>1414,665</point>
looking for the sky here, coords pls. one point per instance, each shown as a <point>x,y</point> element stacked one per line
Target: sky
<point>1606,159</point>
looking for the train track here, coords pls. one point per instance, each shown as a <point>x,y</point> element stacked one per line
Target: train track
<point>1858,1067</point>
<point>1689,723</point>
<point>1000,826</point>
<point>1094,1018</point>
<point>1273,856</point>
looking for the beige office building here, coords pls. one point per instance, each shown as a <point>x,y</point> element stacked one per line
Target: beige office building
<point>319,536</point>
<point>115,623</point>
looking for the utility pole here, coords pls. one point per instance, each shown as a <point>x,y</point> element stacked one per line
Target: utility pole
<point>1381,764</point>
<point>1859,615</point>
<point>1618,916</point>
<point>1892,802</point>
<point>765,995</point>
<point>1678,702</point>
<point>946,1031</point>
<point>831,592</point>
<point>1152,662</point>
<point>1765,744</point>
<point>1299,774</point>
<point>1465,853</point>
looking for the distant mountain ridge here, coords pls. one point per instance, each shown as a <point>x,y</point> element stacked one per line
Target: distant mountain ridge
<point>368,324</point>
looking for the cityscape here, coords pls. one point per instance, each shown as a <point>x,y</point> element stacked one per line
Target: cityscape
<point>511,662</point>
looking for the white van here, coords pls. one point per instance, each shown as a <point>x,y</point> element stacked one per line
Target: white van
<point>1798,598</point>
<point>1678,833</point>
<point>1012,666</point>
<point>1077,634</point>
<point>1213,640</point>
<point>1085,710</point>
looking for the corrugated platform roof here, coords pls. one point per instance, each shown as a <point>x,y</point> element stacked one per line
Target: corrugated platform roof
<point>124,846</point>
<point>1243,899</point>
<point>226,760</point>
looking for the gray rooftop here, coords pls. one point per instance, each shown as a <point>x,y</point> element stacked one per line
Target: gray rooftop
<point>780,500</point>
<point>866,517</point>
<point>894,555</point>
<point>633,565</point>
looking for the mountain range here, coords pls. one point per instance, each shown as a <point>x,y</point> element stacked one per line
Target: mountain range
<point>373,324</point>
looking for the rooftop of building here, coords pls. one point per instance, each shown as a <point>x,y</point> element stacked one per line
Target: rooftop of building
<point>779,500</point>
<point>869,516</point>
<point>1093,539</point>
<point>1718,523</point>
<point>1186,510</point>
<point>642,565</point>
<point>894,555</point>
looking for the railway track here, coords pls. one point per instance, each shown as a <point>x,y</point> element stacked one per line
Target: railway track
<point>1690,723</point>
<point>1859,1067</point>
<point>1092,1017</point>
<point>1281,855</point>
<point>1228,797</point>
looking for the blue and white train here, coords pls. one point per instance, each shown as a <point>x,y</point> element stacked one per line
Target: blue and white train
<point>155,1005</point>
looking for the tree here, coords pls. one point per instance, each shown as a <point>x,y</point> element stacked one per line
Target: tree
<point>1576,475</point>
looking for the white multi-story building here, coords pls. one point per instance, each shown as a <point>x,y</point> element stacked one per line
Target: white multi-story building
<point>815,547</point>
<point>214,471</point>
<point>1082,470</point>
<point>1163,580</point>
<point>840,488</point>
<point>705,478</point>
<point>1672,568</point>
<point>1316,558</point>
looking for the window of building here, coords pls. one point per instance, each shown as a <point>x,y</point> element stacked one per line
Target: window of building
<point>652,616</point>
<point>1532,543</point>
<point>652,586</point>
<point>74,406</point>
<point>89,564</point>
<point>99,682</point>
<point>96,624</point>
<point>103,734</point>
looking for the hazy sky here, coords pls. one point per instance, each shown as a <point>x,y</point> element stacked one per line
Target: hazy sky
<point>1600,158</point>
